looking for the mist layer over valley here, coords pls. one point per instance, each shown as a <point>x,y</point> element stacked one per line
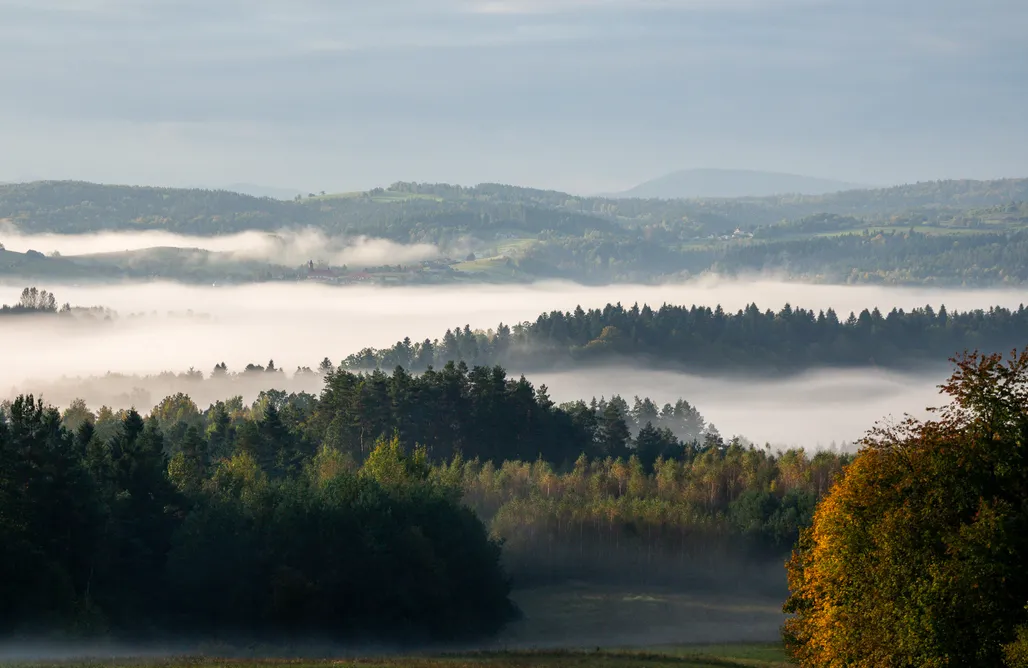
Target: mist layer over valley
<point>285,247</point>
<point>177,327</point>
<point>813,410</point>
<point>426,396</point>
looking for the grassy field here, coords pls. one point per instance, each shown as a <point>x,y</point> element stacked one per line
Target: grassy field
<point>491,267</point>
<point>564,626</point>
<point>715,656</point>
<point>587,615</point>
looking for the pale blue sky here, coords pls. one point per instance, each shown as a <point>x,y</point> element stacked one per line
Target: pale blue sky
<point>581,95</point>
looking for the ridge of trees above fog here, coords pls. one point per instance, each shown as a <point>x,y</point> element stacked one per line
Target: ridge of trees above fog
<point>33,300</point>
<point>478,412</point>
<point>695,338</point>
<point>951,232</point>
<point>702,338</point>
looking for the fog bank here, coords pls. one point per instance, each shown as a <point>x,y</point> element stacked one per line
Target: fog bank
<point>301,323</point>
<point>298,324</point>
<point>813,410</point>
<point>285,247</point>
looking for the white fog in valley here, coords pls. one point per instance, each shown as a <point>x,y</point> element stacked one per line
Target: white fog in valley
<point>812,410</point>
<point>298,324</point>
<point>285,247</point>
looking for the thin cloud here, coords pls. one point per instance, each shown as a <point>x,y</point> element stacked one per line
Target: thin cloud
<point>352,94</point>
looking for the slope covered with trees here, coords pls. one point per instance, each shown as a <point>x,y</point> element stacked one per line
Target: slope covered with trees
<point>705,339</point>
<point>327,515</point>
<point>100,534</point>
<point>303,515</point>
<point>921,233</point>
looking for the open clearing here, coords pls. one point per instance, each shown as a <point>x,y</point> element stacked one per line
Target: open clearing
<point>574,624</point>
<point>586,616</point>
<point>715,656</point>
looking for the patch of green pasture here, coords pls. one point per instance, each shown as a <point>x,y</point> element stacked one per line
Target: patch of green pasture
<point>495,267</point>
<point>514,245</point>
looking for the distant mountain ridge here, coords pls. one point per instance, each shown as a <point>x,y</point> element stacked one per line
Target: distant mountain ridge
<point>263,191</point>
<point>724,183</point>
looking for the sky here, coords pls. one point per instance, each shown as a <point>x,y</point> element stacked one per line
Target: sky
<point>578,95</point>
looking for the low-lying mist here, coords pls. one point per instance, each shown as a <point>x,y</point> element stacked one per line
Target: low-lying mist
<point>814,410</point>
<point>285,247</point>
<point>298,324</point>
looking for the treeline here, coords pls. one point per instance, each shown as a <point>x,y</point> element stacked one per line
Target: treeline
<point>34,300</point>
<point>887,257</point>
<point>1014,213</point>
<point>705,339</point>
<point>482,413</point>
<point>935,199</point>
<point>591,240</point>
<point>363,513</point>
<point>699,519</point>
<point>111,529</point>
<point>65,206</point>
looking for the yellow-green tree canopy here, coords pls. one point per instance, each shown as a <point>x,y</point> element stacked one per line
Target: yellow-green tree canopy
<point>917,555</point>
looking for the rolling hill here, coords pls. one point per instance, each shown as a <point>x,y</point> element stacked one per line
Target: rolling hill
<point>703,183</point>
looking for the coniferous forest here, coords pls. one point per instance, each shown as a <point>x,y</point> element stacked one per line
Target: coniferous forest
<point>406,508</point>
<point>713,340</point>
<point>376,510</point>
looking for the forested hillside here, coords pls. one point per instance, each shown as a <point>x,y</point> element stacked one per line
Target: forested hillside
<point>705,339</point>
<point>350,515</point>
<point>68,206</point>
<point>101,535</point>
<point>948,232</point>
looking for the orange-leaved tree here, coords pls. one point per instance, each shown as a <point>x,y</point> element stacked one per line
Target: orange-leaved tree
<point>918,554</point>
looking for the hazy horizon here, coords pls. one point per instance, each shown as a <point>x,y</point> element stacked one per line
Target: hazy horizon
<point>577,96</point>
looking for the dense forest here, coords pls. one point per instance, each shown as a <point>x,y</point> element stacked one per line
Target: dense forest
<point>106,536</point>
<point>704,339</point>
<point>889,257</point>
<point>373,511</point>
<point>950,232</point>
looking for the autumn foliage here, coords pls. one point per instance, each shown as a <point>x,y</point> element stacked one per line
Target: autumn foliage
<point>917,555</point>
